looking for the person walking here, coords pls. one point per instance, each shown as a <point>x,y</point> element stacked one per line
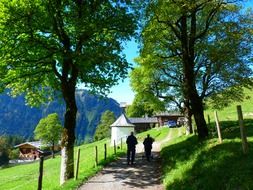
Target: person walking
<point>148,141</point>
<point>131,143</point>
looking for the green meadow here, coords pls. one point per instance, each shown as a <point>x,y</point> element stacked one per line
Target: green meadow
<point>230,113</point>
<point>25,176</point>
<point>191,164</point>
<point>187,163</point>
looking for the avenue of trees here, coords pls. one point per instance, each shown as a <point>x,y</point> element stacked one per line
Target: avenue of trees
<point>48,46</point>
<point>191,50</point>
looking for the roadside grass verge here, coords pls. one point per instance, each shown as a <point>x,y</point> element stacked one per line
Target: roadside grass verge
<point>157,133</point>
<point>190,164</point>
<point>25,176</point>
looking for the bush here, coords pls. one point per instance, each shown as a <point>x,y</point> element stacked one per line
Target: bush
<point>4,158</point>
<point>14,154</point>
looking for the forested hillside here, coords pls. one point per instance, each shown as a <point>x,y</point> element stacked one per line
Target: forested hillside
<point>17,118</point>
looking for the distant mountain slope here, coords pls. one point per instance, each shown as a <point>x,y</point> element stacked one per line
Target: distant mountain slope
<point>16,118</point>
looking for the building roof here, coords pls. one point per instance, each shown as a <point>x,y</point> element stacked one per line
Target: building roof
<point>168,114</point>
<point>143,120</point>
<point>122,121</point>
<point>36,144</point>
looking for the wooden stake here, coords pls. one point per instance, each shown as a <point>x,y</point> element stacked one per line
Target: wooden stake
<point>218,126</point>
<point>40,173</point>
<point>114,147</point>
<point>105,151</point>
<point>77,163</point>
<point>245,147</point>
<point>209,121</point>
<point>96,156</point>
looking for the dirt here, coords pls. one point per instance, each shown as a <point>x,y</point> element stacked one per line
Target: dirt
<point>120,176</point>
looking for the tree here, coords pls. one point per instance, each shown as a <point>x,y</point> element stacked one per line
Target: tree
<point>4,151</point>
<point>188,44</point>
<point>57,45</point>
<point>103,128</point>
<point>160,83</point>
<point>7,142</point>
<point>49,131</point>
<point>144,104</point>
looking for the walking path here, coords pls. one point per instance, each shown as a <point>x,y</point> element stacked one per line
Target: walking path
<point>120,176</point>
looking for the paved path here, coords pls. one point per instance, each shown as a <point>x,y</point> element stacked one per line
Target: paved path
<point>120,176</point>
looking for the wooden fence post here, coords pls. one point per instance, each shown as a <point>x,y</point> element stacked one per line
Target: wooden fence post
<point>96,156</point>
<point>77,163</point>
<point>208,120</point>
<point>114,142</point>
<point>245,147</point>
<point>40,173</point>
<point>218,126</point>
<point>105,151</point>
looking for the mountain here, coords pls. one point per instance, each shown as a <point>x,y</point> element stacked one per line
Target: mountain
<point>16,118</point>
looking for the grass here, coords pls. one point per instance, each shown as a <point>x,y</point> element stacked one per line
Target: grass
<point>187,163</point>
<point>156,133</point>
<point>25,176</point>
<point>230,113</point>
<point>193,165</point>
<point>190,164</point>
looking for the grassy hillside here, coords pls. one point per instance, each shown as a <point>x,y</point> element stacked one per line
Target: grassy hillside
<point>156,133</point>
<point>25,177</point>
<point>230,113</point>
<point>189,164</point>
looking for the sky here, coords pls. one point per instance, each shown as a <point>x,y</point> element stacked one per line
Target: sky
<point>123,92</point>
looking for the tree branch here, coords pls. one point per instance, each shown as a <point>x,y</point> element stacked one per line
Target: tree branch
<point>209,19</point>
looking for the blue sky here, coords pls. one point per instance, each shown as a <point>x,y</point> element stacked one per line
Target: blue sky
<point>123,92</point>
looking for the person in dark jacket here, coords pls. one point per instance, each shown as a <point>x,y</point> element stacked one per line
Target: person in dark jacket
<point>131,143</point>
<point>148,141</point>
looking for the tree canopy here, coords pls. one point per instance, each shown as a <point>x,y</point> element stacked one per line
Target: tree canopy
<point>190,50</point>
<point>49,130</point>
<point>144,103</point>
<point>58,44</point>
<point>103,129</point>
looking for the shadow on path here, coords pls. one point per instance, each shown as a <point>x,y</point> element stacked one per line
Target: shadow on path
<point>119,175</point>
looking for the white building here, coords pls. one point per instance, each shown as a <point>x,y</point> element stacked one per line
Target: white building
<point>120,129</point>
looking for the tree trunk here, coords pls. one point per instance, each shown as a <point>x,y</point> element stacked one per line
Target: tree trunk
<point>198,113</point>
<point>68,136</point>
<point>188,119</point>
<point>52,150</point>
<point>196,104</point>
<point>188,57</point>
